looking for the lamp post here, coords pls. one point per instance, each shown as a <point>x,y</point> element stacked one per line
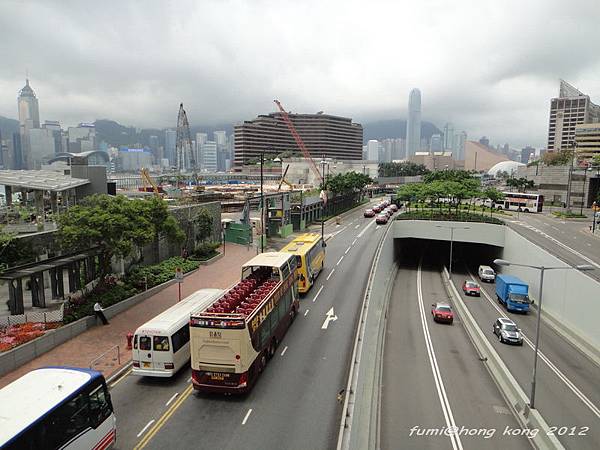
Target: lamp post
<point>542,269</point>
<point>323,198</point>
<point>583,193</point>
<point>262,205</point>
<point>452,228</point>
<point>570,179</point>
<point>594,207</point>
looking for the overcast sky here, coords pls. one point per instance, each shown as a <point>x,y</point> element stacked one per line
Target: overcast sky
<point>488,66</point>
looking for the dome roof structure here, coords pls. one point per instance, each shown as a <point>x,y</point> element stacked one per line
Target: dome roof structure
<point>505,166</point>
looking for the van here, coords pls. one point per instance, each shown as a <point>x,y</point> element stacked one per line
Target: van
<point>486,273</point>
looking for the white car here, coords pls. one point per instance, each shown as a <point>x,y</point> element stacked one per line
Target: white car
<point>486,273</point>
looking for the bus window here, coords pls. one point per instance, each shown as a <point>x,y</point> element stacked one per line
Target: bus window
<point>145,343</point>
<point>299,261</point>
<point>180,338</point>
<point>100,408</point>
<point>135,339</point>
<point>161,343</point>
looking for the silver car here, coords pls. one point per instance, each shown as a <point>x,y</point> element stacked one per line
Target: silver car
<point>507,331</point>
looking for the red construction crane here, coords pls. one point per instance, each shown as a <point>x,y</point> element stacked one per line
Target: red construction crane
<point>298,139</point>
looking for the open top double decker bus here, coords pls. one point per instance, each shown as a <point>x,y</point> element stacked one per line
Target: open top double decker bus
<point>233,339</point>
<point>310,258</point>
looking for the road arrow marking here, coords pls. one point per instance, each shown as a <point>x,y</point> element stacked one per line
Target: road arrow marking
<point>331,317</point>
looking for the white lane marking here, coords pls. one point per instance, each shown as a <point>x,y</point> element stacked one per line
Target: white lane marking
<point>589,245</point>
<point>189,379</point>
<point>246,417</point>
<point>437,377</point>
<point>354,241</point>
<point>339,261</point>
<point>555,228</point>
<point>172,398</point>
<point>284,350</point>
<point>566,247</point>
<point>542,356</point>
<point>330,317</point>
<point>329,276</point>
<point>365,229</point>
<point>357,227</point>
<point>347,250</point>
<point>145,428</point>
<point>337,225</point>
<point>306,312</point>
<point>315,297</point>
<point>377,227</point>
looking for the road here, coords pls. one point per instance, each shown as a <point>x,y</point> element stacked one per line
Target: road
<point>295,403</point>
<point>569,241</point>
<point>567,392</point>
<point>433,379</point>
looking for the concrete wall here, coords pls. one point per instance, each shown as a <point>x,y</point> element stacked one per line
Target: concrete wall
<point>568,295</point>
<point>428,229</point>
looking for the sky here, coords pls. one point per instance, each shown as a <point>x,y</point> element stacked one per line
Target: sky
<point>490,67</point>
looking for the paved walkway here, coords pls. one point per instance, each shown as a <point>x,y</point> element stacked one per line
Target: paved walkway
<point>82,349</point>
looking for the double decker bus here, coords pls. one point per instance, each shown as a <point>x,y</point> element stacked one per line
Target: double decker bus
<point>233,339</point>
<point>310,258</point>
<point>521,201</point>
<point>57,407</point>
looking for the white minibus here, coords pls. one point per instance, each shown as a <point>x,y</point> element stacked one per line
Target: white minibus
<point>162,345</point>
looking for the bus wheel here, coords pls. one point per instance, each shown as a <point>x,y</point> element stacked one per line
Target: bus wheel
<point>526,210</point>
<point>292,314</point>
<point>262,363</point>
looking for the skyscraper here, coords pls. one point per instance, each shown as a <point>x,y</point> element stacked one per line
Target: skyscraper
<point>170,142</point>
<point>413,124</point>
<point>29,110</point>
<point>435,145</point>
<point>569,109</point>
<point>220,137</point>
<point>458,150</point>
<point>448,136</point>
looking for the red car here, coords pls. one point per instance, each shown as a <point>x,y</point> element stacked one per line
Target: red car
<point>471,288</point>
<point>369,213</point>
<point>377,208</point>
<point>442,312</point>
<point>381,219</point>
<point>394,207</point>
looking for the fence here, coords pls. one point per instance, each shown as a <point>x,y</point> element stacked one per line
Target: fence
<point>50,316</point>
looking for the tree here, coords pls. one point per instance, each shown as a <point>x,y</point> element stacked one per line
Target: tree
<point>155,210</point>
<point>448,175</point>
<point>559,158</point>
<point>401,169</point>
<point>494,195</point>
<point>347,182</point>
<point>203,222</point>
<point>114,226</point>
<point>13,251</point>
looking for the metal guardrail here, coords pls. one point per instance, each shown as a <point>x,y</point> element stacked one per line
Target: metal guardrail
<point>102,355</point>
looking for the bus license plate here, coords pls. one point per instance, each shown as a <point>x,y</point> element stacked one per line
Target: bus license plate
<point>146,364</point>
<point>217,376</point>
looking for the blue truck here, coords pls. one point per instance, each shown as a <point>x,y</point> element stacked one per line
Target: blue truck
<point>512,293</point>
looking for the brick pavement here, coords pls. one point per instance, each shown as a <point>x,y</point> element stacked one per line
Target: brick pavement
<point>82,349</point>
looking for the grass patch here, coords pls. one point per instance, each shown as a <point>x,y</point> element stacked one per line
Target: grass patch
<point>568,215</point>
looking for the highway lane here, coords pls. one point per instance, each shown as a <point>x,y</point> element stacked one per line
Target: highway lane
<point>564,240</point>
<point>453,389</point>
<point>567,392</point>
<point>298,387</point>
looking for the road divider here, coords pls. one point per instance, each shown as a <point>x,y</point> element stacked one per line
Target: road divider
<point>515,397</point>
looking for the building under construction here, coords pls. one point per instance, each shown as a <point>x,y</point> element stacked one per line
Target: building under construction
<point>323,134</point>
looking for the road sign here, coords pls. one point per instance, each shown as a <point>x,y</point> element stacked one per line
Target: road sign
<point>179,275</point>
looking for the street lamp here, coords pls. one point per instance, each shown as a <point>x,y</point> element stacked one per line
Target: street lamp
<point>583,193</point>
<point>262,204</point>
<point>542,269</point>
<point>323,200</point>
<point>570,179</point>
<point>451,228</point>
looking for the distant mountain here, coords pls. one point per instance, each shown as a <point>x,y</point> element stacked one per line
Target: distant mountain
<point>116,134</point>
<point>8,127</point>
<point>395,128</point>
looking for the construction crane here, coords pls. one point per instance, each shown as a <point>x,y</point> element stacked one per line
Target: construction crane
<point>183,144</point>
<point>298,139</point>
<point>148,183</point>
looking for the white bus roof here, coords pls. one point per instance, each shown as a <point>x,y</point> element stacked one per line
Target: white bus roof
<point>269,259</point>
<point>26,399</point>
<point>169,320</point>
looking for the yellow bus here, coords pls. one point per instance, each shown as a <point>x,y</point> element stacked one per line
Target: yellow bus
<point>309,250</point>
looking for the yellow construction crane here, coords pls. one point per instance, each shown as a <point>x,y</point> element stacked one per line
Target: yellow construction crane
<point>148,182</point>
<point>283,180</point>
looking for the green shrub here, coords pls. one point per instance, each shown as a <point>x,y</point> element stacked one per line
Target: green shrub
<point>206,250</point>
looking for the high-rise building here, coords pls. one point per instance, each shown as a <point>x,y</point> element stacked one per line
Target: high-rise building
<point>458,147</point>
<point>413,124</point>
<point>220,137</point>
<point>448,136</point>
<point>154,145</point>
<point>82,138</point>
<point>41,146</point>
<point>323,134</point>
<point>29,110</point>
<point>435,144</point>
<point>526,154</point>
<point>588,140</point>
<point>170,143</point>
<point>569,109</point>
<point>57,132</point>
<point>373,150</point>
<point>208,157</point>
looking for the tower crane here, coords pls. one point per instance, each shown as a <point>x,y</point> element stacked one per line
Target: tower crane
<point>299,142</point>
<point>183,144</point>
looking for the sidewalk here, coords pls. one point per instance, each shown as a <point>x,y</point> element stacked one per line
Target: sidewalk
<point>82,349</point>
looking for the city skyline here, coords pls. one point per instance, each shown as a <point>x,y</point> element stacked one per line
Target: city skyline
<point>493,86</point>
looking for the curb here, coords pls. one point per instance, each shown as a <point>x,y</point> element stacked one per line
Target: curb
<point>515,397</point>
<point>118,374</point>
